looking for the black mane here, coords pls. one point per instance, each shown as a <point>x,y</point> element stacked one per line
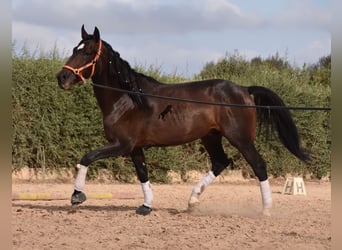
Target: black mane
<point>127,77</point>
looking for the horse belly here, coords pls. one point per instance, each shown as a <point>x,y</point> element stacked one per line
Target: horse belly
<point>179,129</point>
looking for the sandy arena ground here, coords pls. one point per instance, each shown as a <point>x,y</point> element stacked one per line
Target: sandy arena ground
<point>228,218</point>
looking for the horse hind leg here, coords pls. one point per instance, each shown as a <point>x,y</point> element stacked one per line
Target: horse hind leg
<point>259,167</point>
<point>219,162</point>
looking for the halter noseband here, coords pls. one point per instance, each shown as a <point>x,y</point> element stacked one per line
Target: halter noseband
<point>78,71</point>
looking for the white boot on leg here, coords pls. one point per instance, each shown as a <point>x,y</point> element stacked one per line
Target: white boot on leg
<point>80,178</point>
<point>78,196</point>
<point>266,197</point>
<point>148,194</point>
<point>146,208</point>
<point>200,187</point>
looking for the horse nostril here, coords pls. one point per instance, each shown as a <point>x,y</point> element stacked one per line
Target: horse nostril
<point>61,78</point>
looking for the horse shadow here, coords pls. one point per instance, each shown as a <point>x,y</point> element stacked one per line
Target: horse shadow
<point>53,208</point>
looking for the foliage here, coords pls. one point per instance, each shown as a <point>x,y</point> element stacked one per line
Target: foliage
<point>54,128</point>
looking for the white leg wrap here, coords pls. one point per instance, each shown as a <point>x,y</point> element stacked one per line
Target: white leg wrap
<point>200,186</point>
<point>203,184</point>
<point>148,194</point>
<point>266,194</point>
<point>80,178</point>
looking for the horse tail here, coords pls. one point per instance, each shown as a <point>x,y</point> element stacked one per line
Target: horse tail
<point>280,119</point>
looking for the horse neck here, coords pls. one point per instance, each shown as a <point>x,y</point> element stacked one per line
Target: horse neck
<point>114,72</point>
<point>105,97</point>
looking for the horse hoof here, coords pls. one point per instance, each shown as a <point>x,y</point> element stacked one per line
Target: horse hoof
<point>143,210</point>
<point>77,198</point>
<point>193,201</point>
<point>266,212</point>
<point>193,204</point>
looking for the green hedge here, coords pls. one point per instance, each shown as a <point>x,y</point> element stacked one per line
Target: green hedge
<point>55,128</point>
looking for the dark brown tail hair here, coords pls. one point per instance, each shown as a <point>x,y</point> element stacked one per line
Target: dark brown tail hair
<point>279,119</point>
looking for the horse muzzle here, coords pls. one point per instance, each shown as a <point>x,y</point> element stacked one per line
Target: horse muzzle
<point>66,79</point>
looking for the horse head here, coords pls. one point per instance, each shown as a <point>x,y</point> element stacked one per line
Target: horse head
<point>81,65</point>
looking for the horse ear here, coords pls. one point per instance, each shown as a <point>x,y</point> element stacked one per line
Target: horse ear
<point>96,34</point>
<point>85,35</point>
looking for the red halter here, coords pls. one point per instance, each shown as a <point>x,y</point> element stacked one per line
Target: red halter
<point>78,71</point>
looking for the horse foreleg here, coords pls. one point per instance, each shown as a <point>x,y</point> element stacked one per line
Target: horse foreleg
<point>110,150</point>
<point>138,159</point>
<point>78,196</point>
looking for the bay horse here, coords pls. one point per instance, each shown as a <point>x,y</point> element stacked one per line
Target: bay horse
<point>132,121</point>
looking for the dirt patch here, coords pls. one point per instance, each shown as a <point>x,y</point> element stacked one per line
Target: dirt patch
<point>228,218</point>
